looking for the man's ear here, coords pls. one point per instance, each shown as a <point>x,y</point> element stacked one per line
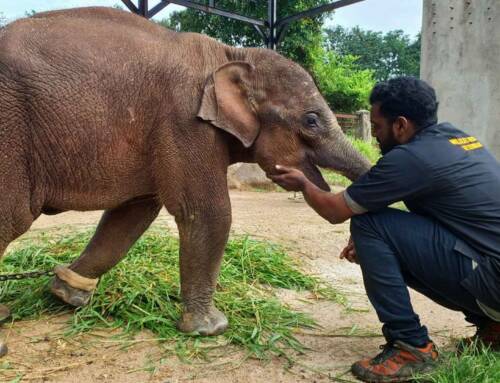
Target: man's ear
<point>400,127</point>
<point>227,101</point>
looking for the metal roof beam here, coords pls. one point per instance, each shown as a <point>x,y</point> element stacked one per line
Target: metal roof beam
<point>317,10</point>
<point>131,6</point>
<point>157,8</point>
<point>271,30</point>
<point>217,11</point>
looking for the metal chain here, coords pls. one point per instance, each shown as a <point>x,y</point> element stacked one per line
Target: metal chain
<point>30,274</point>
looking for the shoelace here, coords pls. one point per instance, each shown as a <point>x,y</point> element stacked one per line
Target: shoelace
<point>388,350</point>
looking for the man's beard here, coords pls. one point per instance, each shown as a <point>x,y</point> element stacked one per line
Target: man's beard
<point>388,144</point>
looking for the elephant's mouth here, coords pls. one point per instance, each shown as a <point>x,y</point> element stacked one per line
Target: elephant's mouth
<point>312,172</point>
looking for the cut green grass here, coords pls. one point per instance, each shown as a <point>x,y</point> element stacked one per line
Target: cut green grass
<point>142,292</point>
<point>474,365</point>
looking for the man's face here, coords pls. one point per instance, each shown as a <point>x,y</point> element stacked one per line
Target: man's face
<point>382,130</point>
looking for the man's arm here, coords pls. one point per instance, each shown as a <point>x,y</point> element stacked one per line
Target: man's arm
<point>330,206</point>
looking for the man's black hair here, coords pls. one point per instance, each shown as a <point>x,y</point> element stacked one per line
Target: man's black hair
<point>408,97</point>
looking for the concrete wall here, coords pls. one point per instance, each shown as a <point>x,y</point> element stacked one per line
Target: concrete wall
<point>461,60</point>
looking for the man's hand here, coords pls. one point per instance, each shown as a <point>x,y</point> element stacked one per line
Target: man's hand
<point>349,252</point>
<point>330,206</point>
<point>290,179</point>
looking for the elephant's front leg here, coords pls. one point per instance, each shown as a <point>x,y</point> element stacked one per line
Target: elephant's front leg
<point>203,236</point>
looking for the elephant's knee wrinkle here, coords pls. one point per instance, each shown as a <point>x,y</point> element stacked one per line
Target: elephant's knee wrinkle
<point>203,217</point>
<point>20,225</point>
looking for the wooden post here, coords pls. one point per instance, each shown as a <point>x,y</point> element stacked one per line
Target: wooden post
<point>363,126</point>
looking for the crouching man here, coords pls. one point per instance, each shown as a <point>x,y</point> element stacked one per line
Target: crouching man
<point>447,246</point>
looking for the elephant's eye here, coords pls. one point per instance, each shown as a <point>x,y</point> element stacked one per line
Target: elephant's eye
<point>312,120</point>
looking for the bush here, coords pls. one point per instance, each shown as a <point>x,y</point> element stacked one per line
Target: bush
<point>344,85</point>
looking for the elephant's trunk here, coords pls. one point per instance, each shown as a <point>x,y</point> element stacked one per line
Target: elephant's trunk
<point>338,154</point>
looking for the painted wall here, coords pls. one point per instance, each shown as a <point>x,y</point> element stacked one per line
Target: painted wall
<point>461,60</point>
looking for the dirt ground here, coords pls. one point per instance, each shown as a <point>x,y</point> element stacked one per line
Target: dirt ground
<point>40,354</point>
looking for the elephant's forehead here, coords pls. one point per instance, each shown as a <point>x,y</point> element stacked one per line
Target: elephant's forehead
<point>294,94</point>
<point>304,96</point>
<point>310,91</point>
<point>305,88</point>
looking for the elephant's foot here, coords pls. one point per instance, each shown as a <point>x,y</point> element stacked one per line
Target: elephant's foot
<point>72,287</point>
<point>68,294</point>
<point>4,317</point>
<point>214,322</point>
<point>4,350</point>
<point>4,314</point>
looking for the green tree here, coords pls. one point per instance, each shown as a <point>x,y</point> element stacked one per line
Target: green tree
<point>344,85</point>
<point>340,79</point>
<point>301,35</point>
<point>391,54</point>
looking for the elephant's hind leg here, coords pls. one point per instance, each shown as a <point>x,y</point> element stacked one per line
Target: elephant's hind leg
<point>117,231</point>
<point>16,211</point>
<point>16,214</point>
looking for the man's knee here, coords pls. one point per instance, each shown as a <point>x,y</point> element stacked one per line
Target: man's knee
<point>372,242</point>
<point>379,221</point>
<point>373,228</point>
<point>361,231</point>
<point>362,224</point>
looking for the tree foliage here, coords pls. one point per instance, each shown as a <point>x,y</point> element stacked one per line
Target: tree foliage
<point>30,13</point>
<point>300,36</point>
<point>391,54</point>
<point>344,85</point>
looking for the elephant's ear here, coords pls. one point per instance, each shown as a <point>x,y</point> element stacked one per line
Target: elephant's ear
<point>226,102</point>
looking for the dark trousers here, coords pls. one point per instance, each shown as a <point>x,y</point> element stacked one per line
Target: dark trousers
<point>396,249</point>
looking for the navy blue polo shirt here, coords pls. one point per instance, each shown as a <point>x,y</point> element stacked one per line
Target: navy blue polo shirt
<point>448,175</point>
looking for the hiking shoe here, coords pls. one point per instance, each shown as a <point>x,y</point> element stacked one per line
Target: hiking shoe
<point>487,335</point>
<point>398,362</point>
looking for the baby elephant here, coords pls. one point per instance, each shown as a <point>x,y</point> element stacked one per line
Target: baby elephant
<point>101,109</point>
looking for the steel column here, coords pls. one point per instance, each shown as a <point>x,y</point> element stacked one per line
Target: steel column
<point>143,8</point>
<point>272,15</point>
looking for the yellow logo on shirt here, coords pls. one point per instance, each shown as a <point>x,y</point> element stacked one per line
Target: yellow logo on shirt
<point>466,143</point>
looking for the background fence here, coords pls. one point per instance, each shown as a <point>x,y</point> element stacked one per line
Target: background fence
<point>357,125</point>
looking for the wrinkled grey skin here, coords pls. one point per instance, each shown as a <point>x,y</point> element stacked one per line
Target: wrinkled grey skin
<point>103,110</point>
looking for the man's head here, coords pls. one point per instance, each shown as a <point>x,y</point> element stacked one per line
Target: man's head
<point>401,107</point>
